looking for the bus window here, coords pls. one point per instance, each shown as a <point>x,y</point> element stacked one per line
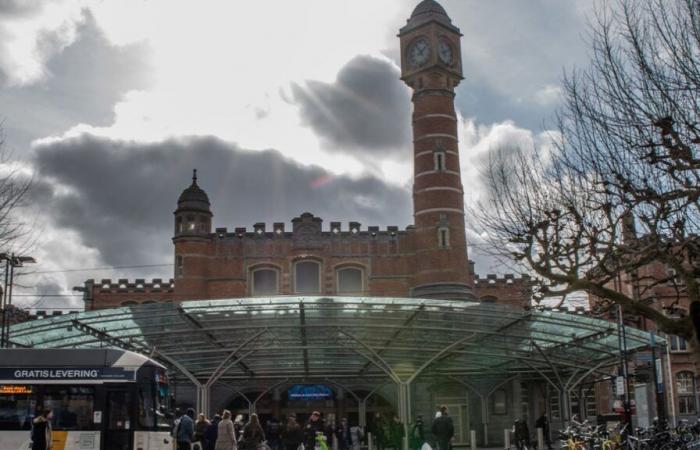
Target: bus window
<point>72,406</point>
<point>16,409</point>
<point>118,410</point>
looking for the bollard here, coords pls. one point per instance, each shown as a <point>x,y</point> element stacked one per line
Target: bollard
<point>540,439</point>
<point>506,439</point>
<point>473,439</point>
<point>369,441</point>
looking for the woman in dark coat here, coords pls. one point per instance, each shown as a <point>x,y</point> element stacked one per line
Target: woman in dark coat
<point>253,434</point>
<point>41,431</point>
<point>292,434</point>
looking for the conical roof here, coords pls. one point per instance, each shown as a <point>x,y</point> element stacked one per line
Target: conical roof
<point>193,198</point>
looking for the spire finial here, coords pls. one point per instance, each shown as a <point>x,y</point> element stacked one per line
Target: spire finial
<point>194,176</point>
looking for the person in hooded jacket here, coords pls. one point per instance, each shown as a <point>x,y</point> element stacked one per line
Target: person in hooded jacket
<point>41,431</point>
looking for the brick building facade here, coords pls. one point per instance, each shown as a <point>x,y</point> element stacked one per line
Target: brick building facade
<point>426,259</point>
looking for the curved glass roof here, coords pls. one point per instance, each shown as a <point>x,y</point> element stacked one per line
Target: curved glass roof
<point>341,338</point>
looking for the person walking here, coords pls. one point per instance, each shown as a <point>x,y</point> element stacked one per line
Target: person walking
<point>356,436</point>
<point>417,435</point>
<point>253,434</point>
<point>396,433</point>
<point>543,422</point>
<point>184,431</point>
<point>522,434</point>
<point>272,432</point>
<point>41,430</point>
<point>443,429</point>
<point>379,431</point>
<point>225,433</point>
<point>292,434</point>
<point>313,426</point>
<point>212,432</point>
<point>238,425</point>
<point>200,426</point>
<point>342,434</point>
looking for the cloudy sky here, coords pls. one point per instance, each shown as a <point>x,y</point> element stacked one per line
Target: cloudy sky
<point>283,106</point>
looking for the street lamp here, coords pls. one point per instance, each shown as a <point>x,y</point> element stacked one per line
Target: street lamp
<point>11,261</point>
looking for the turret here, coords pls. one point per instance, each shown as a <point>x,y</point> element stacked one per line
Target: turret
<point>193,214</point>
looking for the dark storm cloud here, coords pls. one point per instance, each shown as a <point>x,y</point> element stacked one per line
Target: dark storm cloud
<point>85,81</point>
<point>366,110</point>
<point>119,196</point>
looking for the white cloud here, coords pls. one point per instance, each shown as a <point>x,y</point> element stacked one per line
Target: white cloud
<point>31,32</point>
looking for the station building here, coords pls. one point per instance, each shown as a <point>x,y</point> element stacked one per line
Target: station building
<point>373,320</point>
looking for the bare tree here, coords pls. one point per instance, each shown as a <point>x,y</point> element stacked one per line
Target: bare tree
<point>619,188</point>
<point>15,234</point>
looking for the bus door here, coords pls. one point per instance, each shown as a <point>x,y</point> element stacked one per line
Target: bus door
<point>119,418</point>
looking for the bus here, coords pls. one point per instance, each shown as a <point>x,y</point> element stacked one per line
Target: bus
<point>102,399</point>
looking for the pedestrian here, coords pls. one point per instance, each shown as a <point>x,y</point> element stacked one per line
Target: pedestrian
<point>356,436</point>
<point>417,436</point>
<point>396,433</point>
<point>342,434</point>
<point>253,434</point>
<point>543,422</point>
<point>522,434</point>
<point>238,425</point>
<point>200,426</point>
<point>292,435</point>
<point>41,430</point>
<point>212,432</point>
<point>313,426</point>
<point>272,432</point>
<point>225,433</point>
<point>184,431</point>
<point>443,429</point>
<point>379,431</point>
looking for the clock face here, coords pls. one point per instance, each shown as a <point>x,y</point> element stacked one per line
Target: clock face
<point>445,52</point>
<point>419,52</point>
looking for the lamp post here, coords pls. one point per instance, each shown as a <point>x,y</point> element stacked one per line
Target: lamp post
<point>11,261</point>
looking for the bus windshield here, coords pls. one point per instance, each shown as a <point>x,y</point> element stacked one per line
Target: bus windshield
<point>17,405</point>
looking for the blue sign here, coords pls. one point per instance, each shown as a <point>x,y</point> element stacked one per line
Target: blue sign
<point>309,392</point>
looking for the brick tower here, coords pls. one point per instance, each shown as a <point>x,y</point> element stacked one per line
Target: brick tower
<point>192,244</point>
<point>431,65</point>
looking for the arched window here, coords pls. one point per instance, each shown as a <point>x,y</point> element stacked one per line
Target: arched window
<point>265,281</point>
<point>350,280</point>
<point>307,277</point>
<point>685,387</point>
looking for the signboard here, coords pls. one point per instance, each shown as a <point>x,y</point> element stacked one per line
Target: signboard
<point>15,389</point>
<point>619,386</point>
<point>309,392</point>
<point>38,374</point>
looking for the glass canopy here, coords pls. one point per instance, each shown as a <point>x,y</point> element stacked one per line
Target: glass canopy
<point>342,338</point>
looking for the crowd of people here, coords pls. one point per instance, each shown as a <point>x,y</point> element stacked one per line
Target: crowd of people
<point>223,432</point>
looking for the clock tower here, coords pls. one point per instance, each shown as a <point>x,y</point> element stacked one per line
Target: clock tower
<point>431,65</point>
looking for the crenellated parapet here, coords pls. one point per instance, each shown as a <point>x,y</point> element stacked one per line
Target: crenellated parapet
<point>506,280</point>
<point>306,226</point>
<point>157,285</point>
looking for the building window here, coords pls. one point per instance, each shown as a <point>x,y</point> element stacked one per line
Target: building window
<point>350,280</point>
<point>265,282</point>
<point>190,223</point>
<point>307,277</point>
<point>678,343</point>
<point>685,387</point>
<point>439,158</point>
<point>178,225</point>
<point>499,402</point>
<point>179,266</point>
<point>443,237</point>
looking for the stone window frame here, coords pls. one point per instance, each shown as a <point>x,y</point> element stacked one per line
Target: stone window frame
<point>350,265</point>
<point>685,390</point>
<point>259,267</point>
<point>446,236</point>
<point>307,259</point>
<point>440,160</point>
<point>179,266</point>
